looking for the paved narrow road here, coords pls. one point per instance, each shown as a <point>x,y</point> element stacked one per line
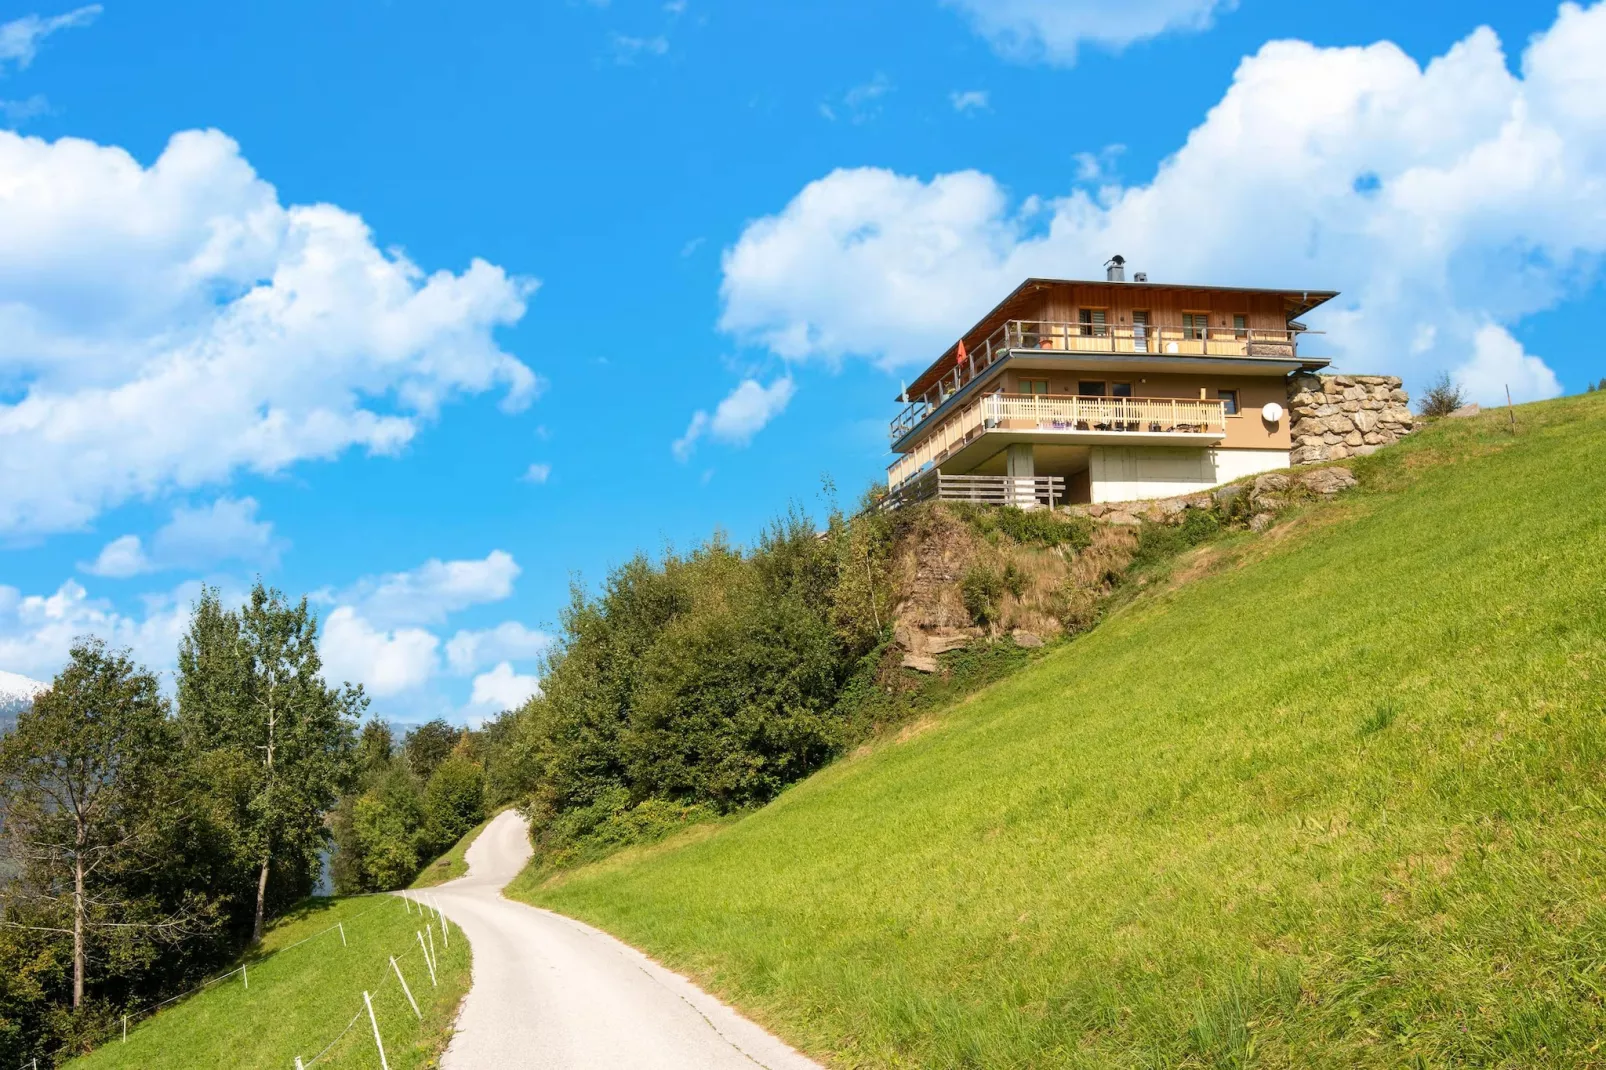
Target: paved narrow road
<point>551,992</point>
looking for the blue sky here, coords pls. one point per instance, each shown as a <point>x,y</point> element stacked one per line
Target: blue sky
<point>428,315</point>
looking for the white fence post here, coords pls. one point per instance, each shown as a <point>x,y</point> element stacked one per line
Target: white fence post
<point>125,1029</point>
<point>429,931</point>
<point>384,1064</point>
<point>428,963</point>
<point>342,932</point>
<point>405,990</point>
<point>245,977</point>
<point>298,1063</point>
<point>445,932</point>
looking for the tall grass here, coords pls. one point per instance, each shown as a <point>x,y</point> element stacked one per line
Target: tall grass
<point>1336,802</point>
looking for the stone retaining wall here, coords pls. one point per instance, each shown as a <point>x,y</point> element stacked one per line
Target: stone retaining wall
<point>1338,416</point>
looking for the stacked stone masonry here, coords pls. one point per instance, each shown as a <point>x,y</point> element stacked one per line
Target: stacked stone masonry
<point>1338,416</point>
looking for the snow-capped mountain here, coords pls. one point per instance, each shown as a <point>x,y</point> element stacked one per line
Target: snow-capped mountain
<point>16,694</point>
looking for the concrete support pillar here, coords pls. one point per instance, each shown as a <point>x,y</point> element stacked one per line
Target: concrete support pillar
<point>1018,463</point>
<point>1018,460</point>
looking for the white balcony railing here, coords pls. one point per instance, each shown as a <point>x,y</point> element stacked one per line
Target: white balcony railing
<point>1061,414</point>
<point>1060,337</point>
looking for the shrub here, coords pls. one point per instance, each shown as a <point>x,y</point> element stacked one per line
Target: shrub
<point>982,589</point>
<point>1443,397</point>
<point>1027,527</point>
<point>1158,542</point>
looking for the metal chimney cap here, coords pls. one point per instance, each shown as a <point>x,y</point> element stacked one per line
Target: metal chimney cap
<point>1117,260</point>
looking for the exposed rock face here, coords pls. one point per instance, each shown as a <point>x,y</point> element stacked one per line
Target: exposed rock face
<point>1338,416</point>
<point>1265,496</point>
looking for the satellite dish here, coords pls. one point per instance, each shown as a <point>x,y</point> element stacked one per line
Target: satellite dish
<point>1271,412</point>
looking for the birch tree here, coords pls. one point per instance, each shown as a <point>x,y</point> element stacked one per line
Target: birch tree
<point>254,706</point>
<point>81,783</point>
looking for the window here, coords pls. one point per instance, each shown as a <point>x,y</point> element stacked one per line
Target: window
<point>1120,390</point>
<point>1088,389</point>
<point>1092,322</point>
<point>1140,330</point>
<point>1240,327</point>
<point>1195,325</point>
<point>1034,386</point>
<point>1229,399</point>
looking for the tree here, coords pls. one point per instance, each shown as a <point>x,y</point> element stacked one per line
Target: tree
<point>428,745</point>
<point>1444,396</point>
<point>252,696</point>
<point>81,785</point>
<point>375,748</point>
<point>454,802</point>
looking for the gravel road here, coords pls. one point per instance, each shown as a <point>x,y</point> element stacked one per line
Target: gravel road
<point>551,992</point>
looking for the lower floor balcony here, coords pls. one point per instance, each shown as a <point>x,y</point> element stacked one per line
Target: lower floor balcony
<point>1067,418</point>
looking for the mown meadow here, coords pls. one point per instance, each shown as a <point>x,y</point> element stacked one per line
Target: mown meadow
<point>305,986</point>
<point>1329,796</point>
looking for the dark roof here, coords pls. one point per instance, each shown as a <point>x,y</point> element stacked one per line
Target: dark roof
<point>1296,303</point>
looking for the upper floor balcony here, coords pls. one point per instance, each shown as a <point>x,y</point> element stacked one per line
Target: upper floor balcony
<point>1193,339</point>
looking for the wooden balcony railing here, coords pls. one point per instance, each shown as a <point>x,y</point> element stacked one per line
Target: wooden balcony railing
<point>1024,492</point>
<point>1061,337</point>
<point>1062,414</point>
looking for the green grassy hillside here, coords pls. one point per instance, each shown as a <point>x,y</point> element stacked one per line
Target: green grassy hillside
<point>1336,801</point>
<point>301,997</point>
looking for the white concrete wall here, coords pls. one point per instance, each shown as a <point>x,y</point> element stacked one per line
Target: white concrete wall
<point>1133,473</point>
<point>1235,464</point>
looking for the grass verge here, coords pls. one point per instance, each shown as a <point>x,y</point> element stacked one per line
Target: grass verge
<point>301,995</point>
<point>1337,801</point>
<point>452,864</point>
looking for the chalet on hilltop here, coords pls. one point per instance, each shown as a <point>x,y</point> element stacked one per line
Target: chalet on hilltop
<point>1105,391</point>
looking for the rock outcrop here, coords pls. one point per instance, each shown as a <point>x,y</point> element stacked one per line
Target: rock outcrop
<point>1338,416</point>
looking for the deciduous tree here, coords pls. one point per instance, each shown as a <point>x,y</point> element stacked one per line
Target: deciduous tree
<point>252,695</point>
<point>82,781</point>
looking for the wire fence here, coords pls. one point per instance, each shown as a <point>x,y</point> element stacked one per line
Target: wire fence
<point>425,947</point>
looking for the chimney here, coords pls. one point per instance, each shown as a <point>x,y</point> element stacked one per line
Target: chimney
<point>1115,268</point>
<point>1141,276</point>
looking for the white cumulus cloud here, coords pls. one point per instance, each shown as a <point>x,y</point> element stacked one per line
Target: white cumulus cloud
<point>37,630</point>
<point>1053,30</point>
<point>469,650</point>
<point>739,416</point>
<point>228,529</point>
<point>1442,199</point>
<point>503,689</point>
<point>164,327</point>
<point>433,590</point>
<point>386,662</point>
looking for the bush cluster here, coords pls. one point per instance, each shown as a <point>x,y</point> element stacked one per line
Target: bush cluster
<point>410,804</point>
<point>698,684</point>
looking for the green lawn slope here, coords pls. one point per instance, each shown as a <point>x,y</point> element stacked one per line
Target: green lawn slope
<point>1335,801</point>
<point>304,988</point>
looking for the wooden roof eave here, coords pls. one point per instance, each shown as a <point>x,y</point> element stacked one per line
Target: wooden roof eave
<point>1295,303</point>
